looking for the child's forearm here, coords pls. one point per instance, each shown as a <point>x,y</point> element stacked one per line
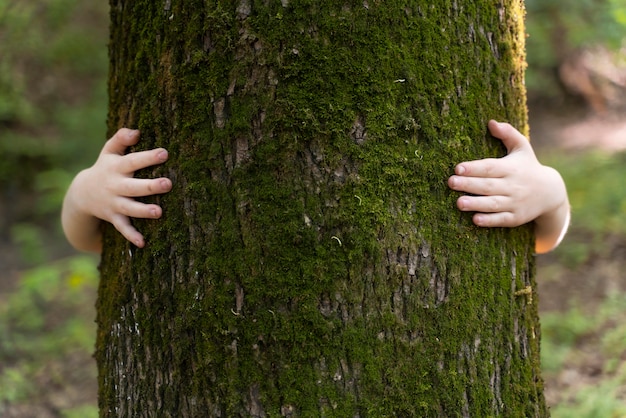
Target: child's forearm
<point>81,228</point>
<point>550,228</point>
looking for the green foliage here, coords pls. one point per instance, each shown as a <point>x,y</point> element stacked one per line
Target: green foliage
<point>28,239</point>
<point>84,411</point>
<point>613,341</point>
<point>47,319</point>
<point>24,314</point>
<point>557,27</point>
<point>584,22</point>
<point>53,65</point>
<point>45,45</point>
<point>561,331</point>
<point>14,386</point>
<point>595,401</point>
<point>619,11</point>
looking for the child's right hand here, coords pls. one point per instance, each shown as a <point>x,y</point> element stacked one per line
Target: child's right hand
<point>106,191</point>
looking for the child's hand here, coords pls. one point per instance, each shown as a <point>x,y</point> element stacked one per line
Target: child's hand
<point>514,190</point>
<point>106,191</point>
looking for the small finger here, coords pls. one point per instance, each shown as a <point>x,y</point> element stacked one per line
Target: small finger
<point>134,209</point>
<point>142,159</point>
<point>134,187</point>
<point>121,140</point>
<point>492,220</point>
<point>476,185</point>
<point>488,168</point>
<point>485,204</point>
<point>124,227</point>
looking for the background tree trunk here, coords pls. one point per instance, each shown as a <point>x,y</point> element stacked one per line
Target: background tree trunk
<point>311,261</point>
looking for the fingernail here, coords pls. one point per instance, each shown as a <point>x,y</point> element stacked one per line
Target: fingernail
<point>460,170</point>
<point>162,156</point>
<point>165,184</point>
<point>132,133</point>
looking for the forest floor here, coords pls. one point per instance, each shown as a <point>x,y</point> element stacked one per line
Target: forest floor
<point>68,382</point>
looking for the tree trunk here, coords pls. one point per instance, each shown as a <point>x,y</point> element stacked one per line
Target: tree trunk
<point>311,260</point>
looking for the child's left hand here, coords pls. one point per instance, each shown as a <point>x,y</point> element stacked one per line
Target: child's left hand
<point>514,190</point>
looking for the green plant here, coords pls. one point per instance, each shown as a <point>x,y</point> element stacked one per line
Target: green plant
<point>604,329</point>
<point>558,27</point>
<point>596,401</point>
<point>47,320</point>
<point>559,335</point>
<point>613,341</point>
<point>14,384</point>
<point>28,238</point>
<point>83,411</point>
<point>53,66</point>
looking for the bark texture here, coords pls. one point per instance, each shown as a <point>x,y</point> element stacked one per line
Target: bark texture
<point>311,260</point>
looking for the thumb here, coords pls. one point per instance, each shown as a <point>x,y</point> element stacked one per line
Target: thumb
<point>511,138</point>
<point>122,139</point>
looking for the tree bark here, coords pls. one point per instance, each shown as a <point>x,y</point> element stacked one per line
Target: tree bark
<point>311,260</point>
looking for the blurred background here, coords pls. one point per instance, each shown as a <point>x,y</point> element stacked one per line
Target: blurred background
<point>53,68</point>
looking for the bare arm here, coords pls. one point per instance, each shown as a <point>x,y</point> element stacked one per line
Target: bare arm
<point>514,190</point>
<point>106,192</point>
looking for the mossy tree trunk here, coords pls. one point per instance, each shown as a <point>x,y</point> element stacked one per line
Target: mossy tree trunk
<point>311,260</point>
